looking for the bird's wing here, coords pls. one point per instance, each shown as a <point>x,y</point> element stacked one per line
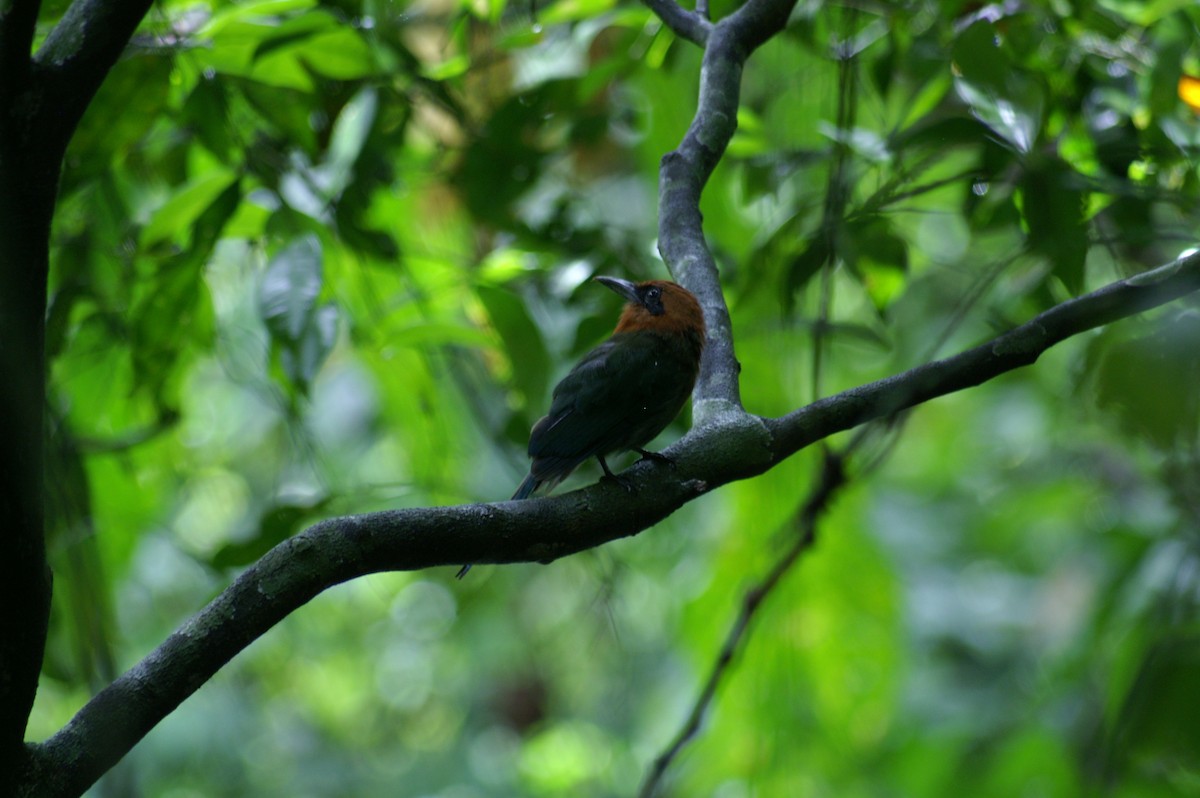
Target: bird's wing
<point>622,394</point>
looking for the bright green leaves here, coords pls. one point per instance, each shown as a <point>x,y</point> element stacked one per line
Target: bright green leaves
<point>275,44</point>
<point>173,312</point>
<point>172,223</point>
<point>303,332</point>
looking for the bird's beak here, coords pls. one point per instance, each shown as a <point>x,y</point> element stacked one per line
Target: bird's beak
<point>622,287</point>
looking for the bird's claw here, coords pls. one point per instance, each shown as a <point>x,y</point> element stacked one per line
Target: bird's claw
<point>624,482</point>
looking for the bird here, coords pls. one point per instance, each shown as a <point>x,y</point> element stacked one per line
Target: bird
<point>621,394</point>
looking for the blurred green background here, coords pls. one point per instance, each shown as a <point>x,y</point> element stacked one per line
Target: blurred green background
<point>315,258</point>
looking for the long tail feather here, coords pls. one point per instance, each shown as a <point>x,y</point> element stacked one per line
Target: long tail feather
<point>528,486</point>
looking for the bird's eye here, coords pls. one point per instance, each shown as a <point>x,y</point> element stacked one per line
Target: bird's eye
<point>655,293</point>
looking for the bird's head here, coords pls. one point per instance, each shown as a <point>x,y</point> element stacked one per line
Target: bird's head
<point>657,306</point>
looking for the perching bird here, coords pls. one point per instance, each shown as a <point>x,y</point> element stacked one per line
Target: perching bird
<point>625,391</point>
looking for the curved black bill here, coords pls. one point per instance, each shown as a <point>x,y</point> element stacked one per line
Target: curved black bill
<point>622,287</point>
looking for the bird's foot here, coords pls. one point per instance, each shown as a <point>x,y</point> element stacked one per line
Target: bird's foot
<point>657,457</point>
<point>624,482</point>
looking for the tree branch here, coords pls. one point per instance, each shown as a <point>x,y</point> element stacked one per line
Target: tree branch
<point>537,530</point>
<point>26,205</point>
<point>1018,347</point>
<point>682,178</point>
<point>18,19</point>
<point>79,52</point>
<point>690,25</point>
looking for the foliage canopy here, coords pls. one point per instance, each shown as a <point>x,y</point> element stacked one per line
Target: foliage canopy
<point>314,258</point>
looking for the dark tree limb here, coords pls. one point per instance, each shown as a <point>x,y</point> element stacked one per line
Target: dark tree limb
<point>18,19</point>
<point>77,55</point>
<point>682,178</point>
<point>26,204</point>
<point>1018,347</point>
<point>42,97</point>
<point>537,530</point>
<point>691,25</point>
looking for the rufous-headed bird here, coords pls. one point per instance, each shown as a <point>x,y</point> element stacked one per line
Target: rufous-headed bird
<point>626,390</point>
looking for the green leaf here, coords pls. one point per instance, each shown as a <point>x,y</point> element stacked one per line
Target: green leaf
<point>346,142</point>
<point>290,288</point>
<point>877,257</point>
<point>1148,379</point>
<point>173,221</point>
<point>174,314</point>
<point>173,311</point>
<point>805,265</point>
<point>303,358</point>
<point>1054,213</point>
<point>574,10</point>
<point>1157,732</point>
<point>340,54</point>
<point>522,341</point>
<point>1000,95</point>
<point>132,97</point>
<point>293,32</point>
<point>275,525</point>
<point>423,335</point>
<point>452,67</point>
<point>206,113</point>
<point>254,10</point>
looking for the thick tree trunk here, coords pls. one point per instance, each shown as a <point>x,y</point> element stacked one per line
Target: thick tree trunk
<point>42,99</point>
<point>28,181</point>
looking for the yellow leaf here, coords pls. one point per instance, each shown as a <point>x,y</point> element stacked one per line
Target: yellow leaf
<point>1189,91</point>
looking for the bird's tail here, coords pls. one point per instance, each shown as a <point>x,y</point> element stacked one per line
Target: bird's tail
<point>528,486</point>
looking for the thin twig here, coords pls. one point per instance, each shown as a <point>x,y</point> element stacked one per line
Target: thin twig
<point>836,197</point>
<point>833,476</point>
